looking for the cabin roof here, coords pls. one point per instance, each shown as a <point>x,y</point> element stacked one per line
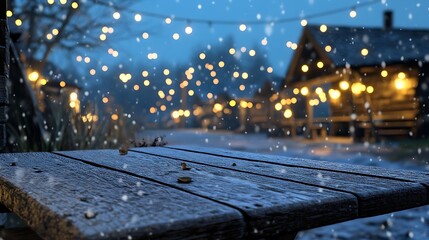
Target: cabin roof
<point>390,46</point>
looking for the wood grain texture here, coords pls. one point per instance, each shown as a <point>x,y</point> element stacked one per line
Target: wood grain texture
<point>405,175</point>
<point>61,198</point>
<point>375,195</point>
<point>271,206</point>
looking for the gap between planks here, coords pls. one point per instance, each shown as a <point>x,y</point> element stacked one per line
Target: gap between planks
<point>304,167</point>
<point>243,213</point>
<point>247,172</point>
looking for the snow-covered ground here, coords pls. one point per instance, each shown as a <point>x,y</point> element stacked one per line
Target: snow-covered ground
<point>409,224</point>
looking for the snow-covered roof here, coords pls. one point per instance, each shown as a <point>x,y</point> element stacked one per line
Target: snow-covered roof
<point>390,46</point>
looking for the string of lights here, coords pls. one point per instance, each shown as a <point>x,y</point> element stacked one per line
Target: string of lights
<point>259,22</point>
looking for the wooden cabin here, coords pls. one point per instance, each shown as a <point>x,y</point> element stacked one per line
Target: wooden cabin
<point>365,83</point>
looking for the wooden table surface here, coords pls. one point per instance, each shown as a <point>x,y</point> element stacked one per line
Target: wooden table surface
<point>100,194</point>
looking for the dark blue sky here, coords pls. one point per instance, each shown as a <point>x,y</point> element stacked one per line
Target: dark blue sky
<point>132,46</point>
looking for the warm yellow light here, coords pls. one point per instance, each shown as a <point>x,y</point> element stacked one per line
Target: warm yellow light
<point>171,92</point>
<point>320,64</point>
<point>175,114</point>
<point>242,27</point>
<point>209,95</point>
<point>103,37</point>
<point>105,99</point>
<point>215,81</point>
<point>304,22</point>
<point>55,31</point>
<point>235,74</point>
<point>191,92</point>
<point>153,110</point>
<point>62,84</point>
<point>213,73</point>
<point>400,83</point>
<point>51,2</point>
<point>145,73</point>
<point>370,89</point>
<point>232,51</point>
<point>252,52</point>
<point>146,82</point>
<point>43,81</point>
<point>145,35</point>
<point>304,91</point>
<point>9,13</point>
<point>163,108</point>
<point>166,72</point>
<point>242,87</point>
<point>104,68</point>
<point>295,90</point>
<point>221,64</point>
<point>304,68</point>
<point>136,87</point>
<point>328,48</point>
<point>137,17</point>
<point>334,94</point>
<point>161,94</point>
<point>18,22</point>
<point>353,13</point>
<point>188,30</point>
<point>202,56</point>
<point>232,103</point>
<point>72,104</point>
<point>116,15</point>
<point>264,41</point>
<point>74,5</point>
<point>168,81</point>
<point>357,88</point>
<point>244,75</point>
<point>114,117</point>
<point>243,104</point>
<point>364,52</point>
<point>401,75</point>
<point>73,96</point>
<point>167,20</point>
<point>63,1</point>
<point>217,107</point>
<point>344,85</point>
<point>319,90</point>
<point>287,113</point>
<point>49,36</point>
<point>323,28</point>
<point>186,113</point>
<point>176,36</point>
<point>270,69</point>
<point>33,76</point>
<point>92,72</point>
<point>384,73</point>
<point>278,106</point>
<point>294,100</point>
<point>249,104</point>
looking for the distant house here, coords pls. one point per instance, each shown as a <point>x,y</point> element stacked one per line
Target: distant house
<point>367,83</point>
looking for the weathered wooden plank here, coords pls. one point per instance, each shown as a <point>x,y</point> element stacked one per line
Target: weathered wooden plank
<point>271,205</point>
<point>375,195</point>
<point>61,198</point>
<point>405,175</point>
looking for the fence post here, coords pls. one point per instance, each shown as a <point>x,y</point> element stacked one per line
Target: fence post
<point>4,72</point>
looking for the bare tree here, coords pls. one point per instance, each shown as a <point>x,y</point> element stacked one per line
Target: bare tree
<point>62,24</point>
